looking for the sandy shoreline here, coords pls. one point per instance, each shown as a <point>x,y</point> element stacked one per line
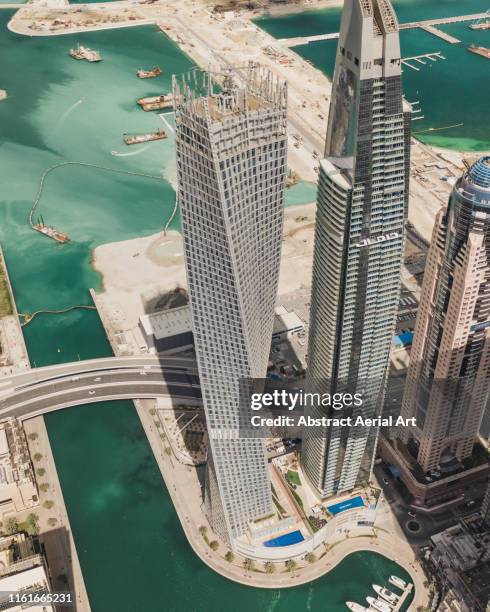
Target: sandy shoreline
<point>290,9</point>
<point>140,266</point>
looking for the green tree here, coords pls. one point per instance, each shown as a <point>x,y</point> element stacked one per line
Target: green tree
<point>33,436</point>
<point>48,504</point>
<point>214,545</point>
<point>37,457</point>
<point>33,522</point>
<point>52,521</point>
<point>269,567</point>
<point>310,557</point>
<point>229,556</point>
<point>44,487</point>
<point>290,565</point>
<point>12,525</point>
<point>248,564</point>
<point>203,530</point>
<point>40,471</point>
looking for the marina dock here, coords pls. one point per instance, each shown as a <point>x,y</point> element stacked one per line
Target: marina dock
<point>406,592</point>
<point>422,59</point>
<point>428,25</point>
<point>439,33</point>
<point>306,40</point>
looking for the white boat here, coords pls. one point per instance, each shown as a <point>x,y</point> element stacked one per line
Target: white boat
<point>398,582</point>
<point>390,597</point>
<point>355,607</point>
<point>378,604</point>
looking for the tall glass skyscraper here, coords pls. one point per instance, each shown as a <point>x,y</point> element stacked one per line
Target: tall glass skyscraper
<point>448,379</point>
<point>231,165</point>
<point>359,239</point>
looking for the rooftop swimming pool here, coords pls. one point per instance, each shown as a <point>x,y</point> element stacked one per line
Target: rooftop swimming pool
<point>286,540</point>
<point>348,504</point>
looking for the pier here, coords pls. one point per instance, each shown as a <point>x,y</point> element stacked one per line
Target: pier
<point>428,25</point>
<point>436,32</point>
<point>406,592</point>
<point>420,59</point>
<point>442,21</point>
<point>306,40</point>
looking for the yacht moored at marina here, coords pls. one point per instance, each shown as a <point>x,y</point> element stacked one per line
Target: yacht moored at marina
<point>378,604</point>
<point>398,582</point>
<point>355,607</point>
<point>390,597</point>
<point>482,25</point>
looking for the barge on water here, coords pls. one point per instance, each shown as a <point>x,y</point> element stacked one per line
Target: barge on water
<point>84,53</point>
<point>483,51</point>
<point>139,138</point>
<point>149,74</point>
<point>50,232</point>
<point>156,102</point>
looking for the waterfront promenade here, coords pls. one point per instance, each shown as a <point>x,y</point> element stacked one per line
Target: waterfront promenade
<point>56,537</point>
<point>183,488</point>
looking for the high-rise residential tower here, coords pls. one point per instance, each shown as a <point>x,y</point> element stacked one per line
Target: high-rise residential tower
<point>448,379</point>
<point>359,240</point>
<point>231,165</point>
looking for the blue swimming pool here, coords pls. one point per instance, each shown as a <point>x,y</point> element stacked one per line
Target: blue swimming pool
<point>286,540</point>
<point>348,504</point>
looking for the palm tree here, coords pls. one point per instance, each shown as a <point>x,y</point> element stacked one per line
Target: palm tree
<point>290,565</point>
<point>248,564</point>
<point>214,545</point>
<point>229,556</point>
<point>310,557</point>
<point>269,567</point>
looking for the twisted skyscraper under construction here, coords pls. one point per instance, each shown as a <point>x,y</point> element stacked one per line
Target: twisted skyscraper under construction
<point>231,164</point>
<point>359,240</point>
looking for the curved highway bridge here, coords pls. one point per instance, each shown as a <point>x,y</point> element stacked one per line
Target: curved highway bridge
<point>40,390</point>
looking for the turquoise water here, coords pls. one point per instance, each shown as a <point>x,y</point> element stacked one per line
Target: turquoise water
<point>133,553</point>
<point>451,91</point>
